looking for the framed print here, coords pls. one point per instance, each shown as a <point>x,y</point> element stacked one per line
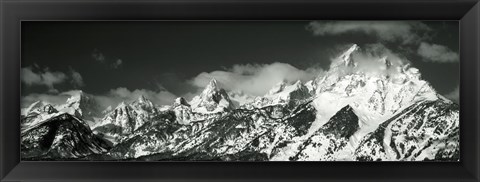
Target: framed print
<point>333,96</point>
<point>214,90</point>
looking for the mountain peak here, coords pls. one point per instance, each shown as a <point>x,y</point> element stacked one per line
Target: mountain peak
<point>122,104</point>
<point>212,85</point>
<point>180,101</point>
<point>212,98</point>
<point>213,81</point>
<point>386,62</point>
<point>278,87</point>
<point>142,99</point>
<point>143,103</point>
<point>76,96</point>
<point>346,57</point>
<point>211,88</point>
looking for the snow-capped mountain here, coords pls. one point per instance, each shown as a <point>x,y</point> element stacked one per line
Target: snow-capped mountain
<point>366,110</point>
<point>239,98</point>
<point>79,104</point>
<point>283,94</point>
<point>37,113</point>
<point>35,108</point>
<point>212,99</point>
<point>122,121</point>
<point>185,114</point>
<point>83,106</point>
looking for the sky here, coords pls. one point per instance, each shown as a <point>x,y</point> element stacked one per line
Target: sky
<point>162,60</point>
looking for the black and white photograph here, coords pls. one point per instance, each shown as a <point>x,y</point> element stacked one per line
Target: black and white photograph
<point>316,90</point>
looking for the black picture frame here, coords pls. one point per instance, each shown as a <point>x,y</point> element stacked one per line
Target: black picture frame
<point>467,12</point>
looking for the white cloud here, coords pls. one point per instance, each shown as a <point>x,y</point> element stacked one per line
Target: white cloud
<point>409,33</point>
<point>77,79</point>
<point>454,95</point>
<point>29,77</point>
<point>372,59</point>
<point>437,53</point>
<point>48,78</point>
<point>255,79</point>
<point>258,79</point>
<point>405,32</point>
<point>370,55</point>
<point>45,77</point>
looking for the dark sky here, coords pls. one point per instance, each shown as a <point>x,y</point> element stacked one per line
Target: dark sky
<point>167,53</point>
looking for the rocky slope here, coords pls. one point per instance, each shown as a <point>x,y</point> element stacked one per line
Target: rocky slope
<point>61,137</point>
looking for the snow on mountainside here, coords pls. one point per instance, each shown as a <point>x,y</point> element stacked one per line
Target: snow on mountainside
<point>79,104</point>
<point>36,114</point>
<point>406,137</point>
<point>61,137</point>
<point>360,109</point>
<point>374,96</point>
<point>282,94</point>
<point>327,143</point>
<point>121,122</point>
<point>239,98</point>
<point>35,107</point>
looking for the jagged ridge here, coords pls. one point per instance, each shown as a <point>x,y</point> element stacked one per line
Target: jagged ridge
<point>345,114</point>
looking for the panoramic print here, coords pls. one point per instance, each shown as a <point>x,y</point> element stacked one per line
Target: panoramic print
<point>240,91</point>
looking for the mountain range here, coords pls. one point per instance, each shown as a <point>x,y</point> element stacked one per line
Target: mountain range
<point>349,113</point>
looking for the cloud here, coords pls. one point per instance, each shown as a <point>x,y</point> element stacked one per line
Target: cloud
<point>410,35</point>
<point>31,76</point>
<point>371,58</point>
<point>437,53</point>
<point>117,63</point>
<point>406,32</point>
<point>99,57</point>
<point>255,79</point>
<point>44,77</point>
<point>454,95</point>
<point>370,55</point>
<point>77,80</point>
